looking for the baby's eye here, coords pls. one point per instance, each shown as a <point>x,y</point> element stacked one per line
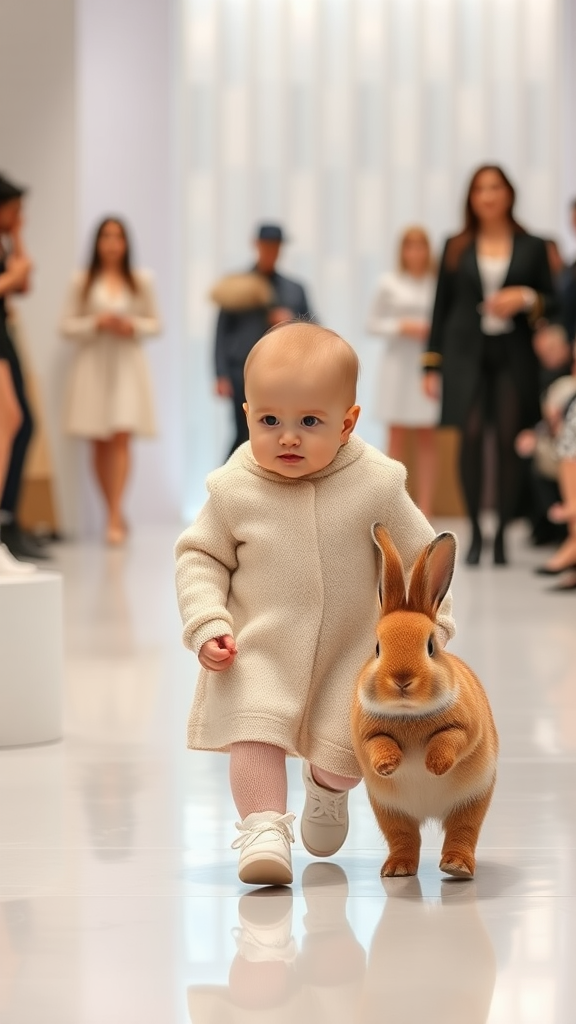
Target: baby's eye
<point>310,421</point>
<point>270,421</point>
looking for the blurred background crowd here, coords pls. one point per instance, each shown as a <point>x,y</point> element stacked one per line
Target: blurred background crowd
<point>402,178</point>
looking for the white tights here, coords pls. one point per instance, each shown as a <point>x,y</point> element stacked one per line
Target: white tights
<point>258,778</point>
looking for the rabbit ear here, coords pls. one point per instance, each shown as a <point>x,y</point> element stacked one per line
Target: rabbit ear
<point>432,575</point>
<point>392,584</point>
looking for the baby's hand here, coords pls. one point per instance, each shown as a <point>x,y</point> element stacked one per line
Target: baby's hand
<point>217,655</point>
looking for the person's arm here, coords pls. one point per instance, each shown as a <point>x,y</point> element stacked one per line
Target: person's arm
<point>432,356</point>
<point>147,324</point>
<point>205,560</point>
<point>411,533</point>
<point>75,323</point>
<point>546,305</point>
<point>15,277</point>
<point>223,327</point>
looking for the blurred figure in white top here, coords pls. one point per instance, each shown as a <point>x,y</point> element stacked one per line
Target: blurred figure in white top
<point>401,314</point>
<point>110,311</point>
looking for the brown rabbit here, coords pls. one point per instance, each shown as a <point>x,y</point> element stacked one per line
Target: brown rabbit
<point>422,726</point>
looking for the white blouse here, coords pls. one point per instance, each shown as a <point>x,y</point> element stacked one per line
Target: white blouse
<point>493,270</point>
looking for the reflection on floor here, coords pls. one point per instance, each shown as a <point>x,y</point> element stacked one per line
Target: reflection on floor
<point>119,900</point>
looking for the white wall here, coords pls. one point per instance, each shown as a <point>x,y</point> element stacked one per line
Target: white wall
<point>348,120</point>
<point>127,95</point>
<point>38,148</point>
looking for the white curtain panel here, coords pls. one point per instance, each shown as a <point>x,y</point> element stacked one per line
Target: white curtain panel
<point>347,120</point>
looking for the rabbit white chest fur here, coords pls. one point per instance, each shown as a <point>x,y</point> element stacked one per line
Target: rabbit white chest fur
<point>413,790</point>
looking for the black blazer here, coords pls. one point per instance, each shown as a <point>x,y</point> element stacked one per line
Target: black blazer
<point>456,342</point>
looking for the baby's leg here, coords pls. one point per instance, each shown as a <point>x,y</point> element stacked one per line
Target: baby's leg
<point>258,778</point>
<point>325,817</point>
<point>337,783</point>
<point>259,788</point>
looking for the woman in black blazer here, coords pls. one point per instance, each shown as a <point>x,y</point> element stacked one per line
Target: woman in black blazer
<point>493,287</point>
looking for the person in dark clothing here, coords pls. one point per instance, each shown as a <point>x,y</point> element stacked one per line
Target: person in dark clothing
<point>494,286</point>
<point>15,268</point>
<point>12,255</point>
<point>238,330</point>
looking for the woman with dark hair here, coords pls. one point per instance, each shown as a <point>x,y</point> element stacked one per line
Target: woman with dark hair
<point>494,287</point>
<point>110,309</point>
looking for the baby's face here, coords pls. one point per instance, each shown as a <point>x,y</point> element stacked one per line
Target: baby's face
<point>296,426</point>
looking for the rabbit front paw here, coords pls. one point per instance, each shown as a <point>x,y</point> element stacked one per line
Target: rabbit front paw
<point>438,762</point>
<point>389,765</point>
<point>385,755</point>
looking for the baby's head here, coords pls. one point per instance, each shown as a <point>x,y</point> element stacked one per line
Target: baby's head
<point>300,382</point>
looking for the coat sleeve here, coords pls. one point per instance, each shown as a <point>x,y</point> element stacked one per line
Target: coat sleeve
<point>75,323</point>
<point>205,560</point>
<point>147,324</point>
<point>380,321</point>
<point>547,305</point>
<point>411,532</point>
<point>432,356</point>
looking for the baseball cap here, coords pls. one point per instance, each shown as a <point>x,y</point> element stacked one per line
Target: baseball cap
<point>270,233</point>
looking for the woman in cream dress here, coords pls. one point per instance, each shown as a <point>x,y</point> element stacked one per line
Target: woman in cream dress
<point>110,310</point>
<point>401,315</point>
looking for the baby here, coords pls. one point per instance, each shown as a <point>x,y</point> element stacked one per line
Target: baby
<point>277,582</point>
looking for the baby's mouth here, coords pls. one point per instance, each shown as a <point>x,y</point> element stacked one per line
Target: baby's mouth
<point>291,457</point>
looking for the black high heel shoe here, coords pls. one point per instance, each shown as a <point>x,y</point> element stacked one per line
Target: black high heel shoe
<point>475,549</point>
<point>499,549</point>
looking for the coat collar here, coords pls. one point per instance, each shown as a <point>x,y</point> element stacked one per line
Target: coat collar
<point>345,456</point>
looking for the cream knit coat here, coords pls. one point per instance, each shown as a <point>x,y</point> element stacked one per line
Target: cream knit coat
<point>289,568</point>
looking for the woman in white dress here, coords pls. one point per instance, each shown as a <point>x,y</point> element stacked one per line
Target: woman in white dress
<point>110,310</point>
<point>401,314</point>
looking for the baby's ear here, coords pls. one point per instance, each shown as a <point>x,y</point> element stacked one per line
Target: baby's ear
<point>350,421</point>
<point>392,589</point>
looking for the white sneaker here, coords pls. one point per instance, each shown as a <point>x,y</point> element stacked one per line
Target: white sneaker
<point>264,844</point>
<point>324,819</point>
<point>265,932</point>
<point>10,566</point>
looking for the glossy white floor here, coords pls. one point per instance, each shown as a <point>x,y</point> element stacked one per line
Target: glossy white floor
<point>119,896</point>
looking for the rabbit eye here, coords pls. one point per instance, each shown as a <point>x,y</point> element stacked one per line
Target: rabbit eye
<point>377,650</point>
<point>430,647</point>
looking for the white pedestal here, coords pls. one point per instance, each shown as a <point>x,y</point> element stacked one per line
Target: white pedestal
<point>31,659</point>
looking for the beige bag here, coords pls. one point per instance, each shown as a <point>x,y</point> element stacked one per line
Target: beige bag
<point>237,293</point>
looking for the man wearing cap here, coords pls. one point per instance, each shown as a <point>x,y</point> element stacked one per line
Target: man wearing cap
<point>238,330</point>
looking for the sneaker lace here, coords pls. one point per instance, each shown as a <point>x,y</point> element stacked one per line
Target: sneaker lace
<point>328,805</point>
<point>281,825</point>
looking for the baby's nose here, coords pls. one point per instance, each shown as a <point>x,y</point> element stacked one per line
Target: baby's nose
<point>290,439</point>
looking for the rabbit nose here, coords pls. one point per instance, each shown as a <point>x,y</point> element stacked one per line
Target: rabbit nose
<point>404,682</point>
